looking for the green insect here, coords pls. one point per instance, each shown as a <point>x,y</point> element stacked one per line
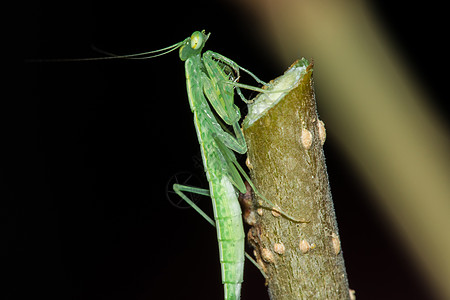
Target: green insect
<point>208,85</point>
<point>211,80</point>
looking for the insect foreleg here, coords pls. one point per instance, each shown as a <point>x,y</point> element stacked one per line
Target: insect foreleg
<point>228,62</point>
<point>221,99</point>
<point>236,143</point>
<point>233,65</point>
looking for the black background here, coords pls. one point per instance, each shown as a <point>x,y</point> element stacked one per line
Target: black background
<point>95,143</point>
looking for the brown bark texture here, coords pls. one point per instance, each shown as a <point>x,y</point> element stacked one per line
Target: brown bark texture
<point>303,260</point>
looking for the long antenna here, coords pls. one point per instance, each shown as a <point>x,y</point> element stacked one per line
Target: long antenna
<point>142,55</point>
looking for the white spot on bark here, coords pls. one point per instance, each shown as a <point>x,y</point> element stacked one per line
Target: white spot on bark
<point>251,219</point>
<point>248,164</point>
<point>352,294</point>
<point>259,211</point>
<point>267,256</point>
<point>279,248</point>
<point>322,132</point>
<point>306,138</point>
<point>336,243</point>
<point>276,211</point>
<point>304,246</point>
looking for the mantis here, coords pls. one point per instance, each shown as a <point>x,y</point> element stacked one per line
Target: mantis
<point>207,80</point>
<point>210,83</point>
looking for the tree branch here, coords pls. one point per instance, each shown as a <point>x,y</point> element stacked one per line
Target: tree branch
<point>287,166</point>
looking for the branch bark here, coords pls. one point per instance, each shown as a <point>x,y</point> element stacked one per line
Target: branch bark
<point>287,166</point>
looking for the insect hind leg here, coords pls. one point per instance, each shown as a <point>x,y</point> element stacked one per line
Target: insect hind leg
<point>179,189</point>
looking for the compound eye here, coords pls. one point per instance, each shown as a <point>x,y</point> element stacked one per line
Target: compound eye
<point>196,40</point>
